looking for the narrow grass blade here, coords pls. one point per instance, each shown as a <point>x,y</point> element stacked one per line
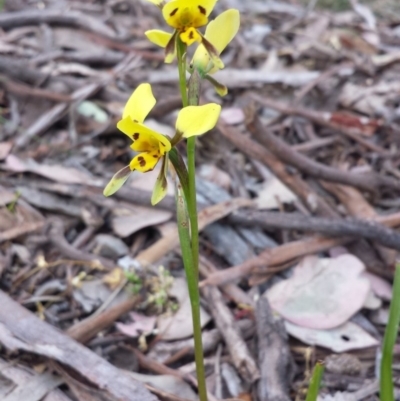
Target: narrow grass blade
<point>315,382</point>
<point>386,380</point>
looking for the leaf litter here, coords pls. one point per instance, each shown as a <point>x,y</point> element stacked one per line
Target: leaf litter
<point>324,83</point>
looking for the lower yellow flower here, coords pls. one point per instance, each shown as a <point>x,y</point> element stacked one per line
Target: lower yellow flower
<point>153,146</point>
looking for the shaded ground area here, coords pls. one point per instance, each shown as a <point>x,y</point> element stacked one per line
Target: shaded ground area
<point>298,192</point>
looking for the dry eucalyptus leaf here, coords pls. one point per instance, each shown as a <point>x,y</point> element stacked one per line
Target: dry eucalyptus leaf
<point>128,218</point>
<point>55,172</point>
<point>273,194</point>
<point>141,325</point>
<point>322,293</point>
<point>170,384</point>
<point>5,149</point>
<point>179,325</point>
<point>379,286</point>
<point>346,337</point>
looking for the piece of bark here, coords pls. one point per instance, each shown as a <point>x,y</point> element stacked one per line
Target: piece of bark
<point>238,350</point>
<point>36,388</point>
<point>274,358</point>
<point>22,330</point>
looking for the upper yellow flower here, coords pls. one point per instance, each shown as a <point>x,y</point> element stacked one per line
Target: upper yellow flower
<point>185,16</point>
<point>219,33</point>
<point>153,146</point>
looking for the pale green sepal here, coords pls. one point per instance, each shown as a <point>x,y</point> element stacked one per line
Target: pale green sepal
<point>221,89</point>
<point>117,181</point>
<point>161,185</point>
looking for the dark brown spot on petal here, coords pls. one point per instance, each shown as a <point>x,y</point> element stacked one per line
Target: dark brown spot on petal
<point>202,10</point>
<point>174,12</point>
<point>155,156</point>
<point>141,161</point>
<point>191,35</point>
<point>162,144</point>
<point>136,136</point>
<point>135,121</point>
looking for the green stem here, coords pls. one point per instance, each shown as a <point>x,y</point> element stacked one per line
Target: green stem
<point>189,240</point>
<point>184,237</point>
<point>194,94</point>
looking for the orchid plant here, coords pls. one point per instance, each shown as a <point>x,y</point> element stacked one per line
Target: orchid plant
<point>186,17</point>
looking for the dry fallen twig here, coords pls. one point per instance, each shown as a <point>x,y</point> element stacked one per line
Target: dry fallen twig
<point>366,181</point>
<point>21,330</point>
<point>274,358</point>
<point>240,354</point>
<point>253,149</point>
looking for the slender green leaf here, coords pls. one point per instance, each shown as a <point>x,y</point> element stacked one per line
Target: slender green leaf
<point>386,380</point>
<point>315,382</point>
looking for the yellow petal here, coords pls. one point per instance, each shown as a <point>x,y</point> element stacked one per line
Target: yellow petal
<point>159,38</point>
<point>161,185</point>
<point>144,162</point>
<point>140,103</point>
<point>219,33</point>
<point>223,29</point>
<point>196,120</point>
<point>146,140</point>
<point>189,36</point>
<point>117,181</point>
<point>188,13</point>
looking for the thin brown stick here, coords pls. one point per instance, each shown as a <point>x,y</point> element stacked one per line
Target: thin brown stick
<point>55,16</point>
<point>88,328</point>
<point>351,227</point>
<point>321,118</point>
<point>367,181</point>
<point>272,257</point>
<point>238,350</point>
<point>253,149</point>
<point>56,237</point>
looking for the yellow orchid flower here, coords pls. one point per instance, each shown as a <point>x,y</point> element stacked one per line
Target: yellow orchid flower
<point>219,33</point>
<point>153,146</point>
<point>185,16</point>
